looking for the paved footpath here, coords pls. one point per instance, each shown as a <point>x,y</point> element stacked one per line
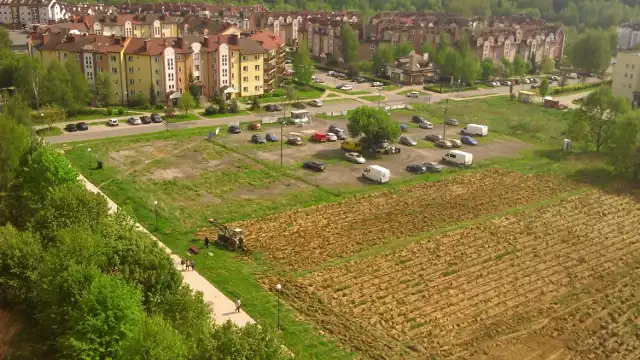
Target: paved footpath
<point>223,308</point>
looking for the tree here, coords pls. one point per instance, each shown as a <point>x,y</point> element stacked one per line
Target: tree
<point>594,122</point>
<point>154,338</point>
<point>103,89</point>
<point>17,109</point>
<point>20,258</point>
<point>56,87</point>
<point>186,102</point>
<point>303,65</point>
<point>403,49</point>
<point>487,69</point>
<point>105,317</point>
<point>15,140</point>
<point>507,66</point>
<point>52,114</point>
<point>350,45</point>
<point>544,87</point>
<point>519,67</point>
<point>194,90</point>
<point>374,125</point>
<point>383,56</point>
<point>251,341</point>
<point>591,52</point>
<point>428,49</point>
<point>547,66</point>
<point>153,97</point>
<point>78,85</point>
<point>624,146</point>
<point>470,69</point>
<point>452,65</point>
<point>5,41</point>
<point>464,48</point>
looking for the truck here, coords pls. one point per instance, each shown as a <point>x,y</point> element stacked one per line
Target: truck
<point>377,174</point>
<point>458,158</point>
<point>473,129</point>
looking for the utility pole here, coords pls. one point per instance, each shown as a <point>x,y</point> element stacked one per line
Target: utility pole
<point>444,124</point>
<point>284,114</point>
<point>379,95</point>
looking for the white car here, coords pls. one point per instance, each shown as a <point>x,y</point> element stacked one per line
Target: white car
<point>506,83</point>
<point>354,157</point>
<point>344,87</point>
<point>376,84</point>
<point>113,122</point>
<point>493,83</point>
<point>425,125</point>
<point>526,81</point>
<point>331,136</point>
<point>572,76</point>
<point>318,80</point>
<point>316,103</point>
<point>413,94</point>
<point>134,121</point>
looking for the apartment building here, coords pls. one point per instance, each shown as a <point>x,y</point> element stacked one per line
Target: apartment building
<point>16,14</point>
<point>628,36</point>
<point>274,56</point>
<point>226,64</point>
<point>288,24</point>
<point>322,36</point>
<point>626,76</point>
<point>138,25</point>
<point>196,26</point>
<point>531,42</point>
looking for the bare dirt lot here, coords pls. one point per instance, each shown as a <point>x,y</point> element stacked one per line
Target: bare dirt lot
<point>552,283</point>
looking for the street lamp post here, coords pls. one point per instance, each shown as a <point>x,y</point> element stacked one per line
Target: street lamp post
<point>278,289</point>
<point>444,124</point>
<point>89,151</point>
<point>379,95</point>
<point>155,207</point>
<point>281,126</point>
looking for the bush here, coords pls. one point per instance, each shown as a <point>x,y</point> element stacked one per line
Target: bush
<point>109,111</point>
<point>222,109</point>
<point>210,110</point>
<point>446,89</point>
<point>159,107</point>
<point>255,104</point>
<point>577,87</point>
<point>233,107</point>
<point>299,105</point>
<point>121,111</point>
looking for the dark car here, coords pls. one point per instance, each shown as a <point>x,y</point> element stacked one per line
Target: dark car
<point>314,165</point>
<point>271,137</point>
<point>294,140</point>
<point>433,137</point>
<point>156,118</point>
<point>82,126</point>
<point>468,140</point>
<point>359,80</point>
<point>234,129</point>
<point>335,130</point>
<point>71,127</point>
<point>404,140</point>
<point>277,107</point>
<point>417,168</point>
<point>299,105</point>
<point>417,119</point>
<point>257,139</point>
<point>433,167</point>
<point>270,108</point>
<point>341,135</point>
<point>145,119</point>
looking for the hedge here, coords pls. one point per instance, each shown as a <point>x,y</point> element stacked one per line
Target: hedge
<point>368,77</point>
<point>446,89</point>
<point>578,87</point>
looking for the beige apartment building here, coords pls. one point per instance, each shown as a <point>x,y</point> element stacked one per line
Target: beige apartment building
<point>626,76</point>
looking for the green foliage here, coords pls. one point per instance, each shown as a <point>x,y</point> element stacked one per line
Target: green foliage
<point>578,87</point>
<point>121,111</point>
<point>5,42</point>
<point>448,89</point>
<point>507,67</point>
<point>624,145</point>
<point>154,339</point>
<point>255,103</point>
<point>544,87</point>
<point>487,69</point>
<point>140,100</point>
<point>56,86</point>
<point>186,102</point>
<point>247,342</point>
<point>591,52</point>
<point>452,64</point>
<point>375,125</point>
<point>211,110</point>
<point>350,45</point>
<point>383,56</point>
<point>80,94</point>
<point>18,109</point>
<point>20,258</point>
<point>234,108</point>
<point>303,65</point>
<point>51,114</point>
<point>104,90</point>
<point>403,49</point>
<point>14,143</point>
<point>520,67</point>
<point>470,69</point>
<point>547,66</point>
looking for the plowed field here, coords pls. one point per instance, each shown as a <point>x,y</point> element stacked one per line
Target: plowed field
<point>309,237</point>
<point>557,282</point>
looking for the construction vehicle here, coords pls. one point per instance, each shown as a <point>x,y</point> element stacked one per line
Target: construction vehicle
<point>232,238</point>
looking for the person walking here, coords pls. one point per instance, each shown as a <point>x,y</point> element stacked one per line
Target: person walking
<point>183,264</point>
<point>206,241</point>
<point>238,305</point>
<point>193,265</point>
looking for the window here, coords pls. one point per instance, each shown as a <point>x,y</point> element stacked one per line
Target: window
<point>225,59</point>
<point>257,78</point>
<point>64,56</point>
<point>171,77</point>
<point>179,69</point>
<point>257,67</point>
<point>179,57</point>
<point>127,31</point>
<point>244,58</point>
<point>257,57</point>
<point>157,71</point>
<point>197,67</point>
<point>196,56</point>
<point>132,92</point>
<point>224,72</point>
<point>169,64</point>
<point>157,82</point>
<point>245,68</point>
<point>197,77</point>
<point>245,79</point>
<point>156,58</point>
<point>99,57</point>
<point>132,81</point>
<point>100,69</point>
<point>625,74</point>
<point>257,88</point>
<point>224,82</point>
<point>157,93</point>
<point>373,46</point>
<point>130,58</point>
<point>78,57</point>
<point>245,89</point>
<point>113,58</point>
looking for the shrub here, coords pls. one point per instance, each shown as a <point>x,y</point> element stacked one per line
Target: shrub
<point>512,96</point>
<point>255,104</point>
<point>121,111</point>
<point>109,111</point>
<point>210,110</point>
<point>446,89</point>
<point>578,87</point>
<point>299,105</point>
<point>222,109</point>
<point>233,107</point>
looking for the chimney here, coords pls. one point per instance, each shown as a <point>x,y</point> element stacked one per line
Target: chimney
<point>146,45</point>
<point>233,39</point>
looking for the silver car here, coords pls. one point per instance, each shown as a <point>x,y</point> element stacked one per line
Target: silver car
<point>425,125</point>
<point>404,140</point>
<point>452,122</point>
<point>455,143</point>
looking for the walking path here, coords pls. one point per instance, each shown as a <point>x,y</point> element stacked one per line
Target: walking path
<point>223,308</point>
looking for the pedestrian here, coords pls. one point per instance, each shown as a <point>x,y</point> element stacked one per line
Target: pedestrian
<point>183,263</point>
<point>206,242</point>
<point>193,264</point>
<point>187,264</point>
<point>238,305</point>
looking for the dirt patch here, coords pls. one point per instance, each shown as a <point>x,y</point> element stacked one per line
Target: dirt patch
<point>169,174</point>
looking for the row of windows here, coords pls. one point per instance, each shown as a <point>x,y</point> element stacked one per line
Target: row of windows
<point>246,68</point>
<point>256,57</point>
<point>246,78</point>
<point>256,88</point>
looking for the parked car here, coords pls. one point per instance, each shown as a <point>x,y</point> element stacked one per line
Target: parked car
<point>71,128</point>
<point>493,83</point>
<point>277,107</point>
<point>550,77</point>
<point>314,165</point>
<point>413,94</point>
<point>417,168</point>
<point>82,126</point>
<point>425,125</point>
<point>444,144</point>
<point>134,121</point>
<point>271,137</point>
<point>572,76</point>
<point>113,122</point>
<point>405,140</point>
<point>468,140</point>
<point>271,107</point>
<point>535,86</point>
<point>474,129</point>
<point>316,103</point>
<point>318,80</point>
<point>345,87</point>
<point>235,129</point>
<point>288,61</point>
<point>258,139</point>
<point>299,105</point>
<point>452,122</point>
<point>505,83</point>
<point>341,136</point>
<point>433,137</point>
<point>526,81</point>
<point>156,118</point>
<point>455,143</point>
<point>255,126</point>
<point>359,80</point>
<point>334,129</point>
<point>331,137</point>
<point>458,157</point>
<point>377,174</point>
<point>403,128</point>
<point>294,140</point>
<point>433,167</point>
<point>320,137</point>
<point>556,78</point>
<point>417,119</point>
<point>351,145</point>
<point>354,157</point>
<point>376,84</point>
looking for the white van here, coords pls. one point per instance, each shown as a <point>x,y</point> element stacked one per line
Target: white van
<point>377,173</point>
<point>458,157</point>
<point>473,129</point>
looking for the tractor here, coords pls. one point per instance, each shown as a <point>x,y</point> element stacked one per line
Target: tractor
<point>232,238</point>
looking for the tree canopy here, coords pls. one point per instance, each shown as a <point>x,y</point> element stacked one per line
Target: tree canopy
<point>591,52</point>
<point>350,45</point>
<point>303,65</point>
<point>374,125</point>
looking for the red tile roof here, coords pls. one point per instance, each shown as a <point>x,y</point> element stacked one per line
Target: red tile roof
<point>268,40</point>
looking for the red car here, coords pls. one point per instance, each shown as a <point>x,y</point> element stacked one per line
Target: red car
<point>320,137</point>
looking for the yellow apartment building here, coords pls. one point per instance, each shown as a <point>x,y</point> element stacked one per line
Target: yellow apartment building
<point>133,25</point>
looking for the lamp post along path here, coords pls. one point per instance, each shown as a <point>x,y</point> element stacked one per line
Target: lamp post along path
<point>278,289</point>
<point>155,207</point>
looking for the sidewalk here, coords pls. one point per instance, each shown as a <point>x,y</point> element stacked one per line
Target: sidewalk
<point>223,308</point>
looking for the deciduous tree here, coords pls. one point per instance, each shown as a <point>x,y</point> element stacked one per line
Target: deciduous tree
<point>186,102</point>
<point>78,85</point>
<point>5,42</point>
<point>374,125</point>
<point>104,90</point>
<point>403,49</point>
<point>56,88</point>
<point>154,338</point>
<point>350,45</point>
<point>591,52</point>
<point>624,146</point>
<point>547,66</point>
<point>383,56</point>
<point>303,65</point>
<point>544,87</point>
<point>487,69</point>
<point>470,69</point>
<point>51,114</point>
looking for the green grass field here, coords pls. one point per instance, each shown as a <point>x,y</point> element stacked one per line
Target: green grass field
<point>194,180</point>
<point>89,114</point>
<point>225,115</point>
<point>52,131</point>
<point>182,117</point>
<point>373,98</point>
